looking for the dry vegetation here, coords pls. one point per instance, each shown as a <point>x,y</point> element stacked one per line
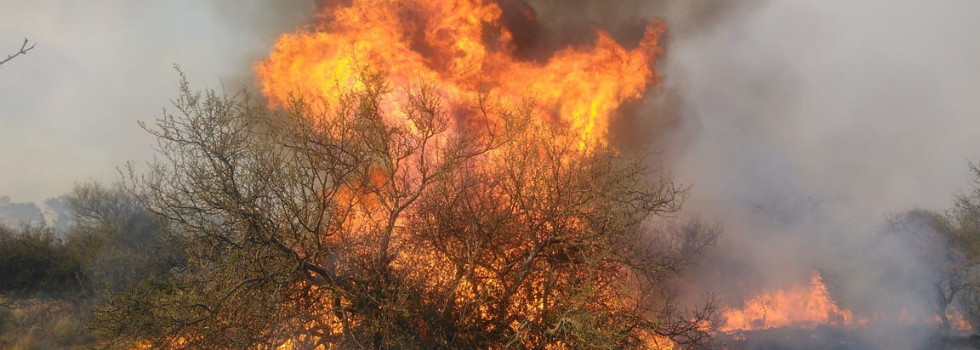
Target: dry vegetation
<point>340,227</point>
<point>320,228</point>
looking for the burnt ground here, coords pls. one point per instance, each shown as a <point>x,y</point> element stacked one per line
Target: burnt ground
<point>835,338</point>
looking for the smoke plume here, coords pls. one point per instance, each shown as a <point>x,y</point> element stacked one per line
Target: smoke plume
<point>801,125</point>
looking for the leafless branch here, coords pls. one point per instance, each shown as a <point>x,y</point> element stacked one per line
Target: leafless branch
<point>23,51</point>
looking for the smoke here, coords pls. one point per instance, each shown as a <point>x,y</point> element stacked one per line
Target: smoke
<point>261,22</point>
<point>801,125</point>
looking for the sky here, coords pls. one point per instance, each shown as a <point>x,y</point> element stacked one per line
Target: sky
<point>69,108</point>
<point>870,100</point>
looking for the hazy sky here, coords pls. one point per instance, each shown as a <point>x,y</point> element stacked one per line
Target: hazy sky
<point>872,103</point>
<point>69,108</point>
<point>873,99</point>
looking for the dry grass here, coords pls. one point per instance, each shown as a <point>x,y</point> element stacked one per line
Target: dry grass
<point>42,323</point>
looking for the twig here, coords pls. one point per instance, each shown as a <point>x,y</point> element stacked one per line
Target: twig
<point>23,51</point>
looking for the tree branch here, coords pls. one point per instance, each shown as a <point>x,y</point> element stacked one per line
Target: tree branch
<point>23,51</point>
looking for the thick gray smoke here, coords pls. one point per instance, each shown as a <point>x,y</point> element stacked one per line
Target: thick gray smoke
<point>803,123</point>
<point>825,116</point>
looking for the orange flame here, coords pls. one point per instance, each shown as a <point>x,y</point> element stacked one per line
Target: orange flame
<point>661,343</point>
<point>800,306</point>
<point>957,321</point>
<point>464,50</point>
<point>807,307</point>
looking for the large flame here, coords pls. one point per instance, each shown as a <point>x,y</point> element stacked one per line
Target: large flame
<point>464,50</point>
<point>465,53</point>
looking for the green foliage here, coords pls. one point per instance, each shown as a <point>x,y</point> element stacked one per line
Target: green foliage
<point>53,281</point>
<point>948,246</point>
<point>966,217</point>
<point>113,243</point>
<point>938,250</point>
<point>34,260</point>
<point>117,240</point>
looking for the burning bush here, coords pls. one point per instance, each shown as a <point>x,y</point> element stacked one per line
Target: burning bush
<point>416,186</point>
<point>346,226</point>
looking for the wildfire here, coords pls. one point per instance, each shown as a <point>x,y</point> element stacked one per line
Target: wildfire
<point>801,306</point>
<point>957,321</point>
<point>464,50</point>
<point>811,305</point>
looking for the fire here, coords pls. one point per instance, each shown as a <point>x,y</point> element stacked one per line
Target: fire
<point>463,49</point>
<point>812,305</point>
<point>463,52</point>
<point>801,306</point>
<point>957,321</point>
<point>661,343</point>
